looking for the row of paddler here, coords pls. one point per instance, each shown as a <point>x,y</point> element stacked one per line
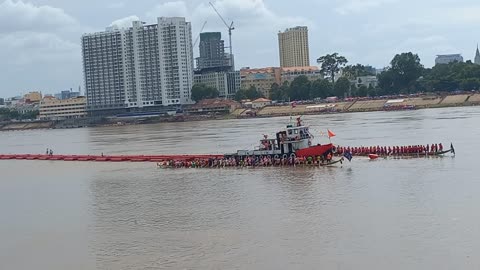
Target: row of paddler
<point>247,161</point>
<point>390,150</point>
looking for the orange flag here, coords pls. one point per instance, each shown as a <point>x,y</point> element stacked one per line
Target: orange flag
<point>331,134</point>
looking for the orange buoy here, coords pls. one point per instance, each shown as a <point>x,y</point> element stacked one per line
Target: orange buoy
<point>373,156</point>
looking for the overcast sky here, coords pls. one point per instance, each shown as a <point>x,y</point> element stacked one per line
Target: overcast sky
<point>40,39</point>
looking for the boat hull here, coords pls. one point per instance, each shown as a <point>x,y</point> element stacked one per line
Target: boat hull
<point>314,151</point>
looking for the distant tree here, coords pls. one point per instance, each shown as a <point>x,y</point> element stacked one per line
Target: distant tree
<point>300,88</point>
<point>331,64</point>
<point>342,87</point>
<point>240,95</point>
<point>353,90</point>
<point>386,81</point>
<point>362,91</point>
<point>321,88</point>
<point>470,84</point>
<point>407,68</point>
<point>402,75</point>
<point>452,77</point>
<point>250,93</point>
<point>9,114</point>
<point>201,91</point>
<point>372,92</point>
<point>285,90</point>
<point>354,71</point>
<point>275,93</point>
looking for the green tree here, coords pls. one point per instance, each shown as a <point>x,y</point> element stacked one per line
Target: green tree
<point>372,92</point>
<point>285,90</point>
<point>9,114</point>
<point>201,91</point>
<point>331,64</point>
<point>300,88</point>
<point>354,71</point>
<point>362,91</point>
<point>342,87</point>
<point>240,95</point>
<point>252,93</point>
<point>407,68</point>
<point>280,92</point>
<point>321,88</point>
<point>452,77</point>
<point>354,90</point>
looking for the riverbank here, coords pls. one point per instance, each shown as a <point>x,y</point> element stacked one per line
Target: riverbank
<point>369,105</point>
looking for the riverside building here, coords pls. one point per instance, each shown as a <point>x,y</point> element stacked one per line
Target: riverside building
<point>448,58</point>
<point>215,67</point>
<point>140,68</point>
<point>57,109</point>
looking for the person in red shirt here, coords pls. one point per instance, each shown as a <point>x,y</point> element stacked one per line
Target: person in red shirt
<point>440,147</point>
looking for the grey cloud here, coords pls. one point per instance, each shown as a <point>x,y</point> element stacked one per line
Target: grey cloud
<point>125,22</point>
<point>19,15</point>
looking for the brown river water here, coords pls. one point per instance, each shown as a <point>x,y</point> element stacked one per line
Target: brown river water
<point>383,214</point>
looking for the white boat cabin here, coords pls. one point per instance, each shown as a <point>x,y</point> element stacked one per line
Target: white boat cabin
<point>285,143</point>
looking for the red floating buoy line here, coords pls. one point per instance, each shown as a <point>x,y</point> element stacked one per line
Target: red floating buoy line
<point>109,158</point>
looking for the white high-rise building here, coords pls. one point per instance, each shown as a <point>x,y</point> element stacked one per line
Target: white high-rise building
<point>139,68</point>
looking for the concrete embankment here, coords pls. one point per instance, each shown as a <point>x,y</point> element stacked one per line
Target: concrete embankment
<point>26,125</point>
<point>371,105</point>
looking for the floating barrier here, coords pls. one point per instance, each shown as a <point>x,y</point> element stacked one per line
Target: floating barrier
<point>109,158</point>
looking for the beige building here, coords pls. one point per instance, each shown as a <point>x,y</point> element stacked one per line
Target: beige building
<point>293,47</point>
<point>261,78</point>
<point>55,109</point>
<point>312,73</point>
<point>260,103</point>
<point>33,97</point>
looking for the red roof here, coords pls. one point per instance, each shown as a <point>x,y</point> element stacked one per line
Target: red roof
<point>261,100</point>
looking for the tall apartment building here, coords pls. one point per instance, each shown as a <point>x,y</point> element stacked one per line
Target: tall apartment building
<point>293,47</point>
<point>215,67</point>
<point>143,67</point>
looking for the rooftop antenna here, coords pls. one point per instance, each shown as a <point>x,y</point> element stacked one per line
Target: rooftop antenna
<point>230,28</point>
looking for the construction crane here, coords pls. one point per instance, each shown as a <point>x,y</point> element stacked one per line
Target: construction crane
<point>198,37</point>
<point>230,28</point>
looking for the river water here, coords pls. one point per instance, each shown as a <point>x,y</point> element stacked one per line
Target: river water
<point>384,214</point>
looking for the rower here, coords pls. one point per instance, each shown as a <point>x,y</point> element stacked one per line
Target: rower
<point>440,147</point>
